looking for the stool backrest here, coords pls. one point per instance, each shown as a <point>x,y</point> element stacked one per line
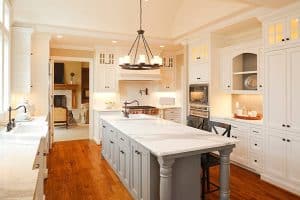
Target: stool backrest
<point>226,127</point>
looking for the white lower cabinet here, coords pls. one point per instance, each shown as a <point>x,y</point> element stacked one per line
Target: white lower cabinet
<point>240,152</point>
<point>130,161</point>
<point>282,159</point>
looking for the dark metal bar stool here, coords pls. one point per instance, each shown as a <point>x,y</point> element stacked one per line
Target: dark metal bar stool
<point>210,159</point>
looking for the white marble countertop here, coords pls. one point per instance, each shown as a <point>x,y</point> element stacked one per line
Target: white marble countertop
<point>253,122</point>
<point>18,149</point>
<point>162,137</point>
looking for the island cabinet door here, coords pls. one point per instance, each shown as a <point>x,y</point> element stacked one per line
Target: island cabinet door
<point>139,175</point>
<point>124,161</point>
<point>104,142</point>
<point>240,152</point>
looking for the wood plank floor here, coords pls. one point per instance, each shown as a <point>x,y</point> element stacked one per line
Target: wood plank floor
<point>77,172</point>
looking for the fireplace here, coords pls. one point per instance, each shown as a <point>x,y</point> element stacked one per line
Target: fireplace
<point>60,101</point>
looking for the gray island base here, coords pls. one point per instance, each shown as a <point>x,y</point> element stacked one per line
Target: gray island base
<point>160,160</point>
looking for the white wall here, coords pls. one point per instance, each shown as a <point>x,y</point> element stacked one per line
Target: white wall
<point>39,73</point>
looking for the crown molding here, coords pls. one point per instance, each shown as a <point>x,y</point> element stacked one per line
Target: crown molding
<point>71,47</point>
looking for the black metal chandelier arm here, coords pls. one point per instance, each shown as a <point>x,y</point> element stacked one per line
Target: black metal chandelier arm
<point>132,46</point>
<point>149,61</point>
<point>148,46</point>
<point>137,47</point>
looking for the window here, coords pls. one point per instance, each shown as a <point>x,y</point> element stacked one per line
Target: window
<point>4,55</point>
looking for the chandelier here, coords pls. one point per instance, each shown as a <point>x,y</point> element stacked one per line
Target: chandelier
<point>145,62</point>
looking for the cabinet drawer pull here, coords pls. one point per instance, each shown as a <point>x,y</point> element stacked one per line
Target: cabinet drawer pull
<point>122,152</point>
<point>283,125</point>
<point>228,86</point>
<point>137,152</point>
<point>288,140</point>
<point>111,142</point>
<point>287,39</point>
<point>283,139</point>
<point>122,139</point>
<point>198,58</point>
<point>288,126</point>
<point>255,144</point>
<point>198,78</point>
<point>255,132</point>
<point>103,126</point>
<point>282,40</point>
<point>260,86</point>
<point>255,161</point>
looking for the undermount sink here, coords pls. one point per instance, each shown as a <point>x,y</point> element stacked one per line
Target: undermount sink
<point>139,117</point>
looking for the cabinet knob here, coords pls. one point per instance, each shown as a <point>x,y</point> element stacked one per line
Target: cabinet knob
<point>288,140</point>
<point>111,142</point>
<point>122,152</point>
<point>122,139</point>
<point>287,39</point>
<point>228,86</point>
<point>198,78</point>
<point>288,126</point>
<point>137,152</point>
<point>255,144</point>
<point>282,40</point>
<point>260,86</point>
<point>255,160</point>
<point>104,126</point>
<point>283,139</point>
<point>198,58</point>
<point>283,125</point>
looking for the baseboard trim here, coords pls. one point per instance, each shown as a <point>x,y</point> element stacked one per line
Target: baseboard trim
<point>282,184</point>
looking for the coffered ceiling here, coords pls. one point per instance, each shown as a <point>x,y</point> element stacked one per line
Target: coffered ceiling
<point>164,19</point>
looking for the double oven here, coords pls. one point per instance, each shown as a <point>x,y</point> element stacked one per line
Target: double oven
<point>199,106</point>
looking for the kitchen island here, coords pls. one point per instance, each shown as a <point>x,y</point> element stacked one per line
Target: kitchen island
<point>159,159</point>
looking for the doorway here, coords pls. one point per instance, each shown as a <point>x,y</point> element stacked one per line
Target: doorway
<point>71,99</point>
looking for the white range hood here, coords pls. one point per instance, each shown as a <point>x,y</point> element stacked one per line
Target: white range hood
<point>139,75</point>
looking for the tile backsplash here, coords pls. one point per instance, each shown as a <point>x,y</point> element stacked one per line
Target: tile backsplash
<point>250,102</point>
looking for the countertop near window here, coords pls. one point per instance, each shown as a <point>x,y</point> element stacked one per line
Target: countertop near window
<point>18,150</point>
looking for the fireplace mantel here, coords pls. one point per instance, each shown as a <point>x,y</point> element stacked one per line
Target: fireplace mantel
<point>72,87</point>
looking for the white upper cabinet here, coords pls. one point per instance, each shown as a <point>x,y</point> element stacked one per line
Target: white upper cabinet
<point>282,31</point>
<point>106,71</point>
<point>276,84</point>
<point>241,69</point>
<point>282,68</point>
<point>293,89</point>
<point>198,61</point>
<point>21,60</point>
<point>168,73</point>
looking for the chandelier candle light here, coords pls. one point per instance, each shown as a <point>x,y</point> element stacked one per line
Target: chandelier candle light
<point>145,62</point>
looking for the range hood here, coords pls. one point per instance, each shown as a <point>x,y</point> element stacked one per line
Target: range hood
<point>139,75</point>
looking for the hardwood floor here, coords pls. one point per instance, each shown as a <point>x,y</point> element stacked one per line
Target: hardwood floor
<point>77,172</point>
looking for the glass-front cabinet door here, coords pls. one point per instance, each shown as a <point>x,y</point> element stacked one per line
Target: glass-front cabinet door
<point>276,32</point>
<point>294,28</point>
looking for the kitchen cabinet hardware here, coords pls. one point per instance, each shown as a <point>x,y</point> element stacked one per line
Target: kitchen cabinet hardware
<point>288,126</point>
<point>260,86</point>
<point>112,131</point>
<point>255,161</point>
<point>283,125</point>
<point>287,39</point>
<point>255,132</point>
<point>198,78</point>
<point>282,40</point>
<point>111,142</point>
<point>44,154</point>
<point>122,139</point>
<point>122,152</point>
<point>103,126</point>
<point>137,152</point>
<point>255,144</point>
<point>288,140</point>
<point>228,86</point>
<point>283,139</point>
<point>198,58</point>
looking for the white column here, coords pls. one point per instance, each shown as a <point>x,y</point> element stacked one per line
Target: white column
<point>166,177</point>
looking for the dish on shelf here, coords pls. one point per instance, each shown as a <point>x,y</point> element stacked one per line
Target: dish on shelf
<point>250,82</point>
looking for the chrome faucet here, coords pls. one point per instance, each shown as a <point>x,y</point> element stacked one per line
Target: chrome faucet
<point>125,111</point>
<point>11,122</point>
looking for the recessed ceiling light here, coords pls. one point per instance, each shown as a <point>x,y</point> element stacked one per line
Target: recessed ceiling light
<point>161,46</point>
<point>114,41</point>
<point>59,36</point>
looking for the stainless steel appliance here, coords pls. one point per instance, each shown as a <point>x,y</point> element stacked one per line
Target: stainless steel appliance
<point>198,107</point>
<point>198,94</point>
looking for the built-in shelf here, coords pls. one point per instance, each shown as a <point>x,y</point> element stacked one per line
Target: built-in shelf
<point>245,72</point>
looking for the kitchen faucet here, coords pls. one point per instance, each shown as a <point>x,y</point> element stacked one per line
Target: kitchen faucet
<point>125,111</point>
<point>11,122</point>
